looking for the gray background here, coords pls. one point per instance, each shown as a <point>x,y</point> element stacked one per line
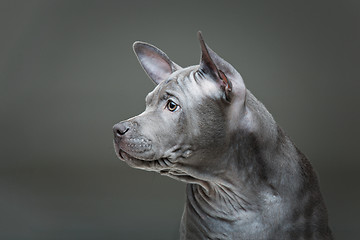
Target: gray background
<point>68,73</point>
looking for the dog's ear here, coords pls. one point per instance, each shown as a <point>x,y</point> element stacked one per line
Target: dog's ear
<point>155,62</point>
<point>221,71</point>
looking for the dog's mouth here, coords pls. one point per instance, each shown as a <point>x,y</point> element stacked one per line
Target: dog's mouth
<point>146,164</point>
<point>164,166</point>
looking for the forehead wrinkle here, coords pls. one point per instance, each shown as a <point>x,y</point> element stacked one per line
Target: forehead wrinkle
<point>187,87</point>
<point>196,89</point>
<point>171,86</point>
<point>161,91</point>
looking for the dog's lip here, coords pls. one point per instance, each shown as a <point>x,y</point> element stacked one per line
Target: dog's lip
<point>126,156</point>
<point>164,163</point>
<point>120,154</point>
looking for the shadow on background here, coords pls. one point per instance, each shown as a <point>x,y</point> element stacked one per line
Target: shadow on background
<point>67,74</point>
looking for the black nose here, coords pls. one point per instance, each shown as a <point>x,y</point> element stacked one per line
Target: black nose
<point>121,128</point>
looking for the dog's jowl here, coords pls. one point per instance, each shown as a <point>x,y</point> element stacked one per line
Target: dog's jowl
<point>245,178</point>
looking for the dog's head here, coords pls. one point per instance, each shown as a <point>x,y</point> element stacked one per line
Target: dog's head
<point>189,116</point>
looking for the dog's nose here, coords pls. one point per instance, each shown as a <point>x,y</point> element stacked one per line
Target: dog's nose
<point>121,128</point>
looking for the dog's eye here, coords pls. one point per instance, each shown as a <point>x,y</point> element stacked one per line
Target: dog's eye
<point>171,106</point>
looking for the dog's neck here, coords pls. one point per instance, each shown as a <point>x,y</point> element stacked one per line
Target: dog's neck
<point>252,181</point>
<point>241,186</point>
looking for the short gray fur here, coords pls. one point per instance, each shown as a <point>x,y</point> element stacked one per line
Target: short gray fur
<point>245,178</point>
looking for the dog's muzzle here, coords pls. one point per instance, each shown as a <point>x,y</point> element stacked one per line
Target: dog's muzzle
<point>128,143</point>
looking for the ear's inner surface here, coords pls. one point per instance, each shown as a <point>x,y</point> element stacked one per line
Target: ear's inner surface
<point>155,62</point>
<point>228,86</point>
<point>208,66</point>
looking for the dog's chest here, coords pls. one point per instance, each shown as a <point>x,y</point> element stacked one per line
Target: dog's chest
<point>196,225</point>
<point>220,218</point>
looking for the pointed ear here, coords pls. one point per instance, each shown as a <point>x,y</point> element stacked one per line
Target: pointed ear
<point>220,70</point>
<point>155,62</point>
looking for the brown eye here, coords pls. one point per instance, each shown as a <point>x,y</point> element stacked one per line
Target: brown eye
<point>171,106</point>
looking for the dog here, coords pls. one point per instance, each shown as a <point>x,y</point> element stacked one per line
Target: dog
<point>245,178</point>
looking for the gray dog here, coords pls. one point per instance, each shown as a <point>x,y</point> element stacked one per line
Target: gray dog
<point>245,178</point>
